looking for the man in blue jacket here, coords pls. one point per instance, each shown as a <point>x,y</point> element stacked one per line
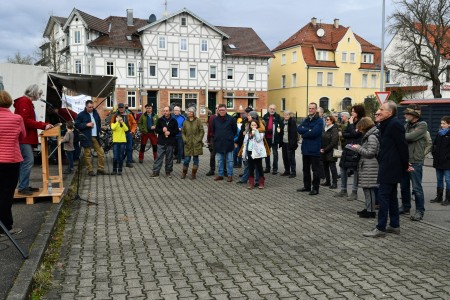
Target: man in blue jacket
<point>180,145</point>
<point>311,132</point>
<point>89,124</point>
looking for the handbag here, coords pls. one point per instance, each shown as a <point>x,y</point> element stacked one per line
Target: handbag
<point>337,153</point>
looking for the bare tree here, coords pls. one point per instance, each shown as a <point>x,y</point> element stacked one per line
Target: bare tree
<point>18,58</point>
<point>50,56</point>
<point>423,26</point>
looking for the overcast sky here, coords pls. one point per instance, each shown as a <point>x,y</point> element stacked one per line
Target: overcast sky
<point>22,23</point>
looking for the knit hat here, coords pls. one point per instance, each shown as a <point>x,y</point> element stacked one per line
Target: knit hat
<point>413,110</point>
<point>121,105</point>
<point>254,115</point>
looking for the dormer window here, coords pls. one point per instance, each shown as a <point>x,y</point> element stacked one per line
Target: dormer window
<point>183,21</point>
<point>128,37</point>
<point>367,58</point>
<point>322,55</point>
<point>232,46</point>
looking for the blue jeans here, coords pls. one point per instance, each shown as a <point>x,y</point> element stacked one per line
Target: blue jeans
<point>118,149</point>
<point>416,179</point>
<point>25,166</point>
<point>274,151</point>
<point>180,148</point>
<point>387,195</point>
<point>129,147</point>
<point>220,158</point>
<point>69,155</point>
<point>344,177</point>
<point>187,160</point>
<point>440,176</point>
<point>244,177</point>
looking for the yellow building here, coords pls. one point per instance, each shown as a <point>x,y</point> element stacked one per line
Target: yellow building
<point>323,63</point>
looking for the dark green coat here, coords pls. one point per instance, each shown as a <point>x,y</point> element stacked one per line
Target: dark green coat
<point>192,134</point>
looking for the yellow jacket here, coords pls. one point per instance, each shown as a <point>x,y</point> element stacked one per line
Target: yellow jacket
<point>118,132</point>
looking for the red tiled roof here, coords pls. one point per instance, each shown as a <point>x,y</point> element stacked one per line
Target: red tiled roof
<point>310,58</point>
<point>425,101</point>
<point>94,23</point>
<point>246,41</point>
<point>412,88</point>
<point>117,36</point>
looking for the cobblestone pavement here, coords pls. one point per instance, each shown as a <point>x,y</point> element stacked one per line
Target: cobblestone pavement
<point>169,238</point>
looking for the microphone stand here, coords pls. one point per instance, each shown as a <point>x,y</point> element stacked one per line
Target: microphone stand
<point>6,231</point>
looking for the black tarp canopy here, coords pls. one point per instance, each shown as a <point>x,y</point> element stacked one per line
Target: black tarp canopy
<point>92,85</point>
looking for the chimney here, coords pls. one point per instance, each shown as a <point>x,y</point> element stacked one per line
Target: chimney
<point>336,23</point>
<point>314,21</point>
<point>130,17</point>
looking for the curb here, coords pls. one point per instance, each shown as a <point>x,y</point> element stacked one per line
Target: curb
<point>22,284</point>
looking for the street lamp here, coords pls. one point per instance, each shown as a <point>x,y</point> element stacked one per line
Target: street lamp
<point>382,46</point>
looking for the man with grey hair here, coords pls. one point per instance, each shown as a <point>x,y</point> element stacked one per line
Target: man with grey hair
<point>273,122</point>
<point>393,159</point>
<point>24,106</point>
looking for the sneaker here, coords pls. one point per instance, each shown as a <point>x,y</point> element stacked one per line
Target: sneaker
<point>393,230</point>
<point>130,165</point>
<point>341,194</point>
<point>402,211</point>
<point>418,216</point>
<point>16,230</point>
<point>91,173</point>
<point>353,196</point>
<point>154,175</point>
<point>375,233</point>
<point>168,175</point>
<point>25,192</point>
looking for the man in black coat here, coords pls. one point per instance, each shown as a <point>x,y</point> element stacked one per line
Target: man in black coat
<point>273,122</point>
<point>167,129</point>
<point>224,128</point>
<point>393,160</point>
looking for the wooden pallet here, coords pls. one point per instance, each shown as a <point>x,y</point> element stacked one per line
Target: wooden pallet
<point>56,195</point>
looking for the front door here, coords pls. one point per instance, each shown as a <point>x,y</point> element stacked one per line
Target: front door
<point>152,99</point>
<point>212,101</point>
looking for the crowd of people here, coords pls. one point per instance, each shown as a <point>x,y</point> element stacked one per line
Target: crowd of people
<point>378,151</point>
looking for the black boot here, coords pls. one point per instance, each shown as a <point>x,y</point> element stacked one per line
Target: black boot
<point>447,198</point>
<point>439,196</point>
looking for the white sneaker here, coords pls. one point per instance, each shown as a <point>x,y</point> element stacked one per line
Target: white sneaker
<point>375,233</point>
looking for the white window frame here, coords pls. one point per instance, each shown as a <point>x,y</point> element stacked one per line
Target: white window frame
<point>283,59</point>
<point>367,58</point>
<point>131,66</point>
<point>294,79</point>
<point>204,45</point>
<point>344,56</point>
<point>177,68</point>
<point>211,73</point>
<point>183,44</point>
<point>229,94</point>
<point>109,102</point>
<point>322,55</point>
<point>364,80</point>
<point>228,73</point>
<point>195,72</point>
<point>77,66</point>
<point>283,81</point>
<point>330,78</point>
<point>77,37</point>
<point>131,99</point>
<point>162,42</point>
<point>294,56</point>
<point>349,83</point>
<point>251,74</point>
<point>185,21</point>
<point>319,80</point>
<point>108,66</point>
<point>374,80</point>
<point>150,65</point>
<point>352,57</point>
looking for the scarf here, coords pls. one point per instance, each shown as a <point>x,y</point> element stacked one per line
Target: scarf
<point>443,131</point>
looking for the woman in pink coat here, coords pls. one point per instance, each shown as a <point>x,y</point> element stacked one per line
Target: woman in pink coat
<point>12,130</point>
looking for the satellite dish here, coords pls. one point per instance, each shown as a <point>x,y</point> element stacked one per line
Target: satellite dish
<point>152,18</point>
<point>320,32</point>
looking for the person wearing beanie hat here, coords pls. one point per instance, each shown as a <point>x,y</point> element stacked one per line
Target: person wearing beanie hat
<point>416,136</point>
<point>192,134</point>
<point>254,115</point>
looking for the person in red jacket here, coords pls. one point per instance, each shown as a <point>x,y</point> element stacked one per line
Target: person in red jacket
<point>24,107</point>
<point>11,131</point>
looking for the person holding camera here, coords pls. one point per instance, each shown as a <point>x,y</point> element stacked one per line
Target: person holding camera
<point>119,130</point>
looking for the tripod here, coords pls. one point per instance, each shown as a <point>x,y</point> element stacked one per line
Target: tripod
<point>6,231</point>
<point>77,195</point>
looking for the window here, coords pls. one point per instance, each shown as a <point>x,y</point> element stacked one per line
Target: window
<point>374,80</point>
<point>319,78</point>
<point>174,71</point>
<point>212,72</point>
<point>447,77</point>
<point>109,102</point>
<point>344,56</point>
<point>152,70</point>
<point>324,102</point>
<point>352,57</point>
<point>322,55</point>
<point>78,66</point>
<point>190,100</point>
<point>283,81</point>
<point>131,71</point>
<point>346,104</point>
<point>230,74</point>
<point>109,68</point>
<point>388,75</point>
<point>294,80</point>
<point>283,104</point>
<point>77,37</point>
<point>347,80</point>
<point>368,58</point>
<point>192,72</point>
<point>294,56</point>
<point>131,98</point>
<point>183,21</point>
<point>162,42</point>
<point>183,44</point>
<point>283,59</point>
<point>176,100</point>
<point>251,74</point>
<point>204,45</point>
<point>364,80</point>
<point>251,100</point>
<point>230,100</point>
<point>329,79</point>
